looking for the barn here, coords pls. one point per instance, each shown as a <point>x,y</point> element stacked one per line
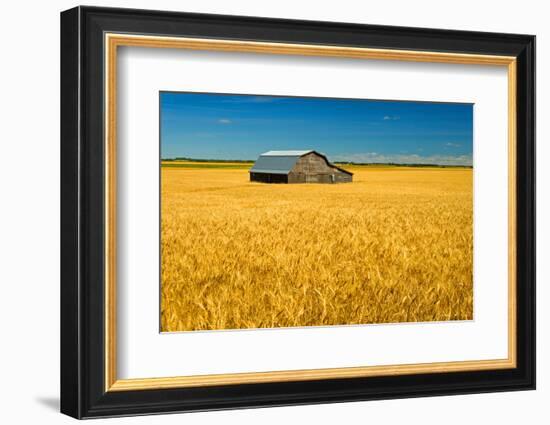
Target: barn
<point>297,167</point>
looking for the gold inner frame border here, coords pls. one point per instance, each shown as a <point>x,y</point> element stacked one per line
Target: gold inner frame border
<point>112,41</point>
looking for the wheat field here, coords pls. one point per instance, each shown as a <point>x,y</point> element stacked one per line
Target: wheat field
<point>396,245</point>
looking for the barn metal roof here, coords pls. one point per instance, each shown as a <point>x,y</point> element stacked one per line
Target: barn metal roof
<point>282,162</point>
<point>276,163</point>
<point>285,153</point>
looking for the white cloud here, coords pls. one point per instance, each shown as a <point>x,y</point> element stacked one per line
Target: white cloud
<point>224,121</point>
<point>374,158</point>
<point>391,117</point>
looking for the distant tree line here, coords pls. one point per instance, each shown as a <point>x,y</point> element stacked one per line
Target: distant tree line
<point>371,164</point>
<point>183,158</point>
<point>395,164</point>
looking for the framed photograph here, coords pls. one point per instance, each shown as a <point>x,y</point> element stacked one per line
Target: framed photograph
<point>260,212</point>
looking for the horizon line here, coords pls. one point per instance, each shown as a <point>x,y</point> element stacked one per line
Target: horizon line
<point>411,164</point>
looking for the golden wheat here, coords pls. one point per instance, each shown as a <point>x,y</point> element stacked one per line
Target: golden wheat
<point>393,246</point>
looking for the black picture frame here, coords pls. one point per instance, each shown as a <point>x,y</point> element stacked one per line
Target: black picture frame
<point>82,219</point>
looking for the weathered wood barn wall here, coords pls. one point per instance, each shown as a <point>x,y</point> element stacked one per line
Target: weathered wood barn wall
<point>297,167</point>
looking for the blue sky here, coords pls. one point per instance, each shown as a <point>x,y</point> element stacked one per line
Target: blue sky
<point>227,126</point>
